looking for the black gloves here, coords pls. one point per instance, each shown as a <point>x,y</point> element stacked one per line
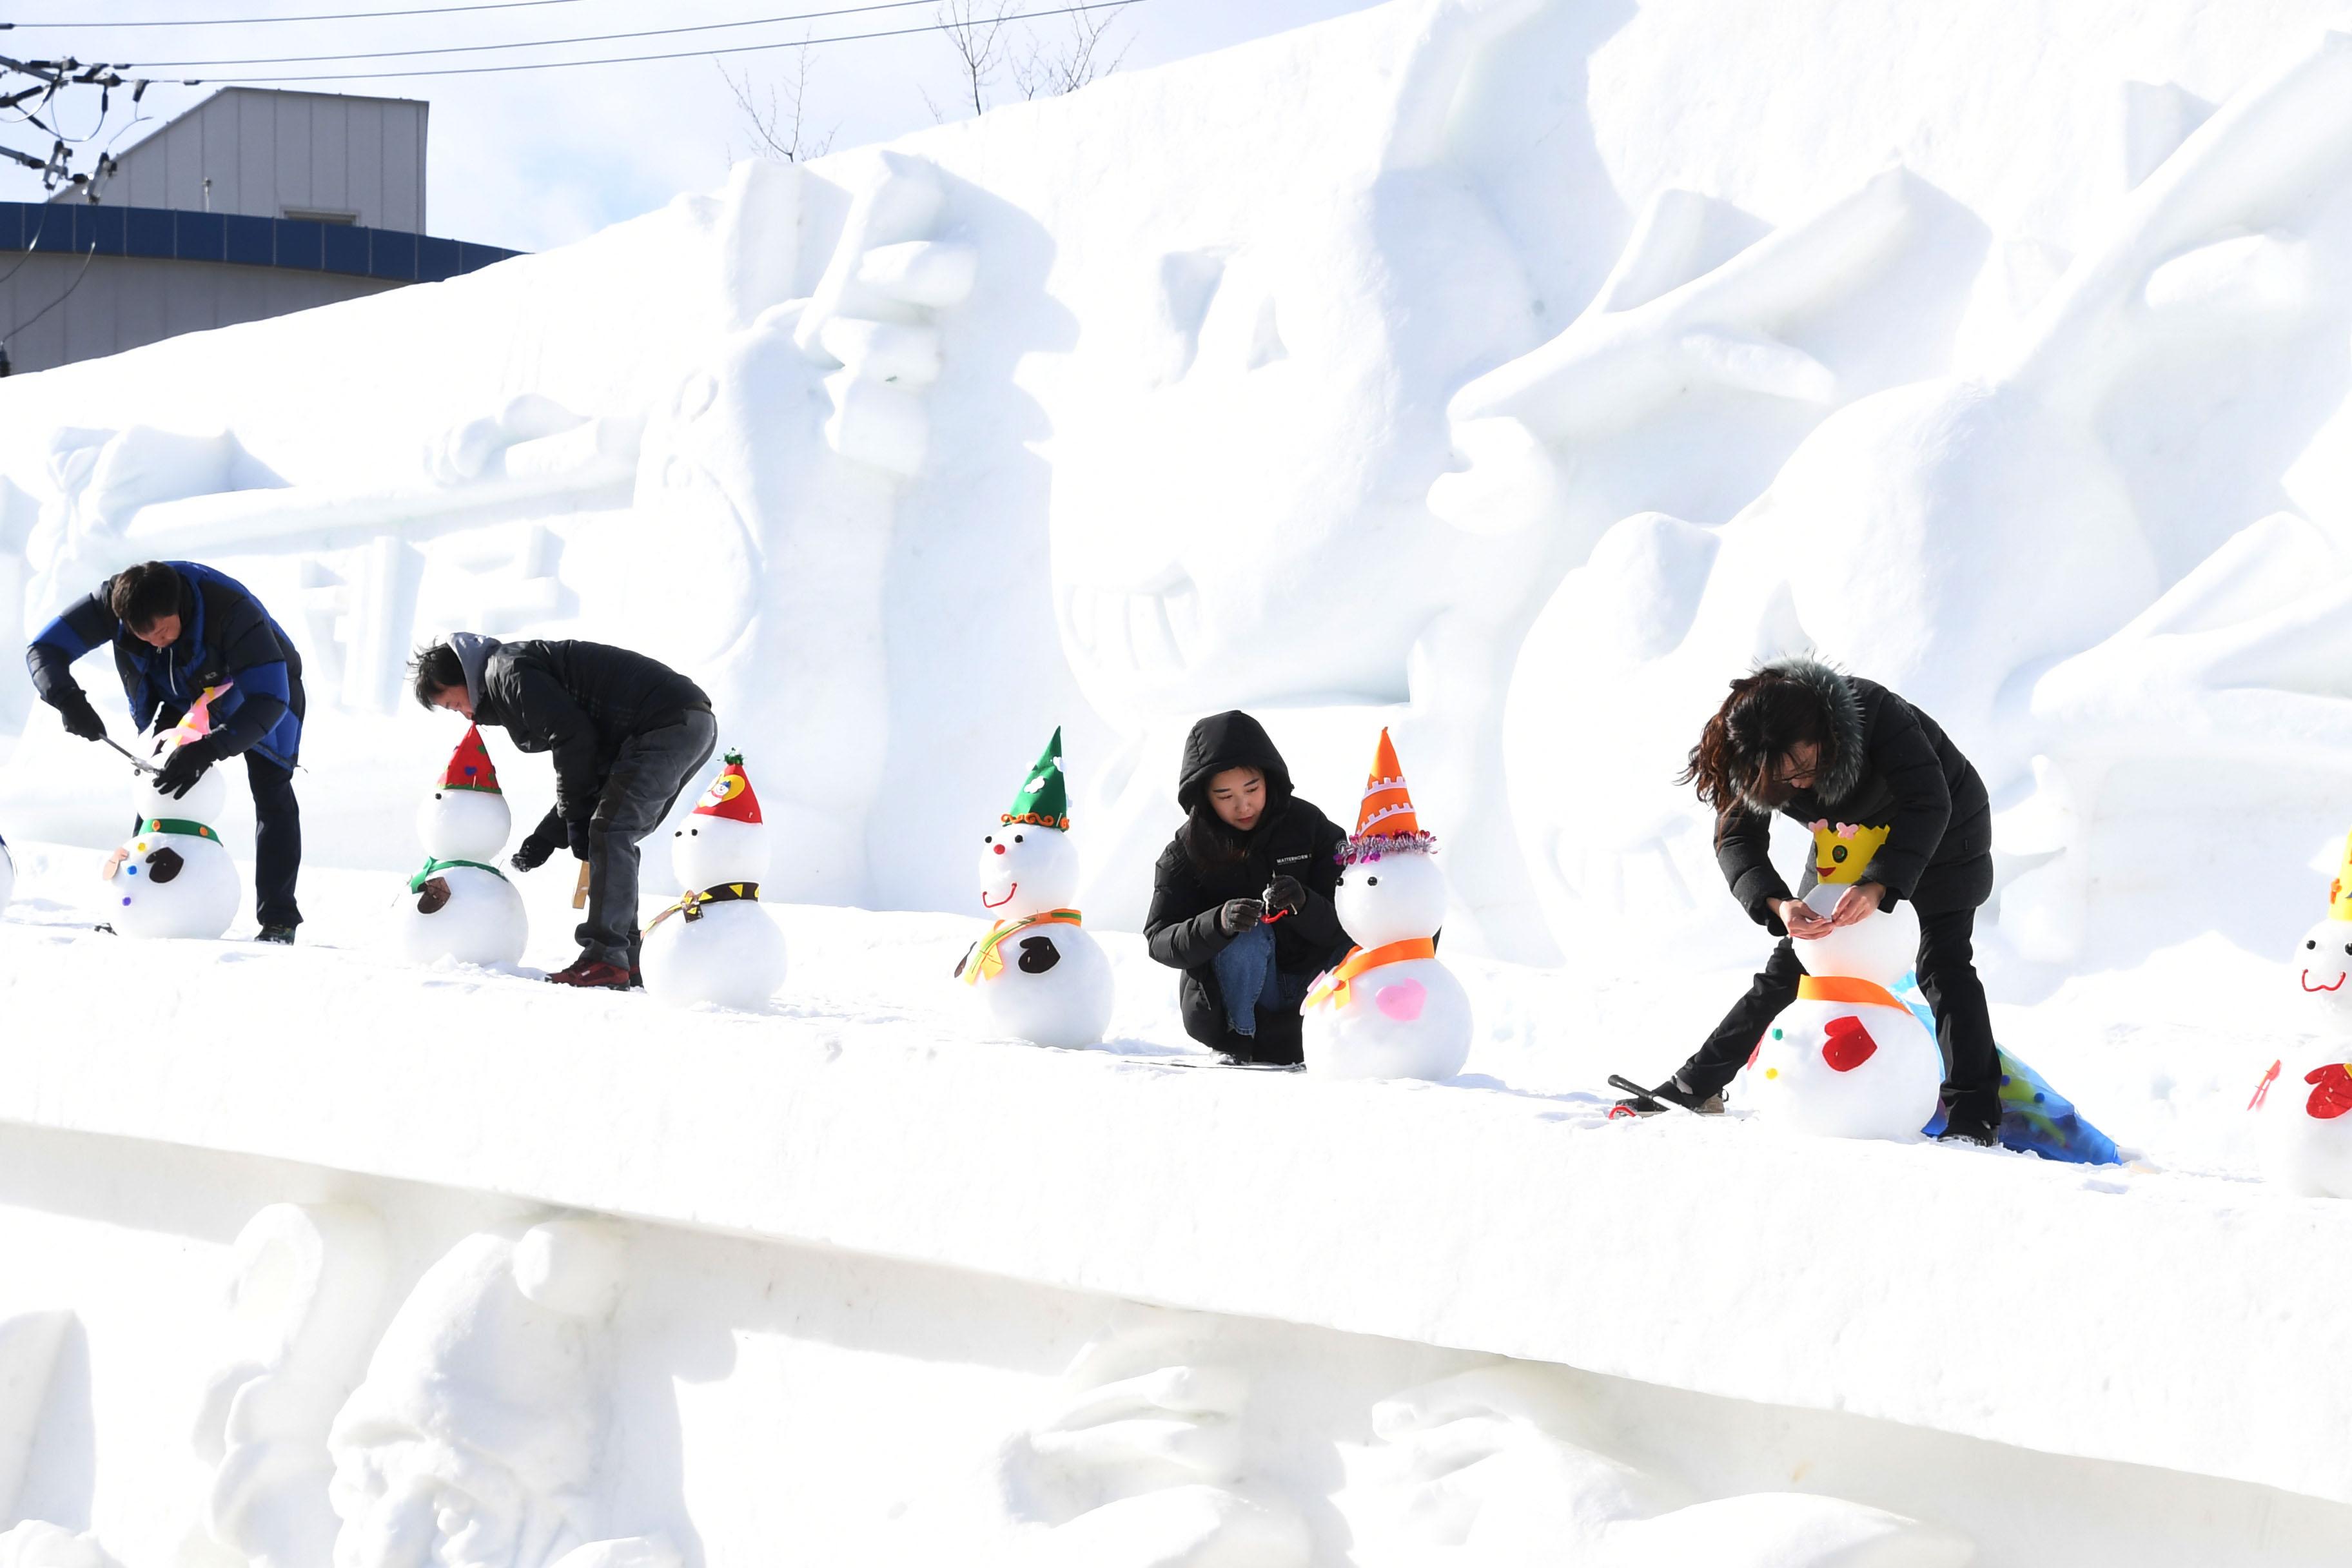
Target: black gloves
<point>82,719</point>
<point>186,765</point>
<point>1286,893</point>
<point>543,841</point>
<point>576,834</point>
<point>1239,915</point>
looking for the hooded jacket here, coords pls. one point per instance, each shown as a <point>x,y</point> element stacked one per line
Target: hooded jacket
<point>1889,765</point>
<point>225,637</point>
<point>578,701</point>
<point>1182,928</point>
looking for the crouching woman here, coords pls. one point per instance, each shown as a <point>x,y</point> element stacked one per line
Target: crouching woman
<point>1241,900</point>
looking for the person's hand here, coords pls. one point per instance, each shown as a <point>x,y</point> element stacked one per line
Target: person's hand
<point>82,719</point>
<point>1860,902</point>
<point>536,847</point>
<point>576,834</point>
<point>1799,917</point>
<point>1239,915</point>
<point>1286,893</point>
<point>186,765</point>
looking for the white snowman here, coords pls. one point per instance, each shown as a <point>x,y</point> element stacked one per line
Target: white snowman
<point>1390,1009</point>
<point>1847,1059</point>
<point>1036,972</point>
<point>173,877</point>
<point>460,906</point>
<point>2305,1102</point>
<point>716,944</point>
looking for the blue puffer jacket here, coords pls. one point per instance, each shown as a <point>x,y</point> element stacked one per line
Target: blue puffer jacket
<point>224,637</point>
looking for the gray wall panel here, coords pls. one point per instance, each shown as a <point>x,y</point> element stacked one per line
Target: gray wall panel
<point>266,150</point>
<point>125,301</point>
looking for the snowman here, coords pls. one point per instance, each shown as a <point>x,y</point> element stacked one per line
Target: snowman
<point>716,943</point>
<point>1846,1059</point>
<point>1390,1009</point>
<point>460,906</point>
<point>1036,971</point>
<point>2305,1102</point>
<point>174,877</point>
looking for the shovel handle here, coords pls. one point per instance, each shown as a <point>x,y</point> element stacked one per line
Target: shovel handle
<point>579,889</point>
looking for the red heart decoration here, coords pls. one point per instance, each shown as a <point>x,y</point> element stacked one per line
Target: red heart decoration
<point>2332,1096</point>
<point>1849,1045</point>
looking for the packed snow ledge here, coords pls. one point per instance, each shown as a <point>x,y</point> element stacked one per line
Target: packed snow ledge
<point>2130,1313</point>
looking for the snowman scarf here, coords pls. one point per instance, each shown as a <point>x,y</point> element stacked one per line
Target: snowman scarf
<point>691,905</point>
<point>434,868</point>
<point>1338,986</point>
<point>1847,989</point>
<point>986,960</point>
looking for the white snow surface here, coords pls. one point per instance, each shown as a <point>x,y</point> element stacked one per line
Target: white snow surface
<point>1507,372</point>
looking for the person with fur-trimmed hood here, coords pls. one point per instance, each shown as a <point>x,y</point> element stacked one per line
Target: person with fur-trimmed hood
<point>1241,899</point>
<point>1803,740</point>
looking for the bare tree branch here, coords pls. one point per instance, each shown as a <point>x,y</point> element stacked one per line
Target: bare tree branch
<point>780,123</point>
<point>1078,60</point>
<point>974,29</point>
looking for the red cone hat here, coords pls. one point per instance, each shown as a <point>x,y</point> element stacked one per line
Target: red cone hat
<point>730,794</point>
<point>469,766</point>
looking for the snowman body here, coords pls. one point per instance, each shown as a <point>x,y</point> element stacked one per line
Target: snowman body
<point>718,944</point>
<point>1036,977</point>
<point>2305,1109</point>
<point>1846,1059</point>
<point>173,878</point>
<point>459,907</point>
<point>1406,1016</point>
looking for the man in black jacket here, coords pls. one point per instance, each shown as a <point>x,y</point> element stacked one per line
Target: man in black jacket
<point>627,734</point>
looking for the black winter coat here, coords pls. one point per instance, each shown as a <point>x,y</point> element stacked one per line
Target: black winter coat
<point>1892,766</point>
<point>579,700</point>
<point>1182,928</point>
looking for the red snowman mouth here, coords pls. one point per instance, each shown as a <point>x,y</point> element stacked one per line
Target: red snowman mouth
<point>2307,986</point>
<point>1005,900</point>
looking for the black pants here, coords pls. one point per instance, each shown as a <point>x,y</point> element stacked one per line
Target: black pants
<point>1947,978</point>
<point>277,841</point>
<point>653,769</point>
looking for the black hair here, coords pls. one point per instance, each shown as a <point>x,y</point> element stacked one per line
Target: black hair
<point>144,595</point>
<point>434,669</point>
<point>1736,762</point>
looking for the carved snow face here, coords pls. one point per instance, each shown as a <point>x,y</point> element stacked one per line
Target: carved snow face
<point>1394,899</point>
<point>1025,869</point>
<point>2323,961</point>
<point>464,824</point>
<point>709,850</point>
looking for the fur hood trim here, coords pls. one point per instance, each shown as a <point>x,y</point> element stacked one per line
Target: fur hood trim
<point>1841,771</point>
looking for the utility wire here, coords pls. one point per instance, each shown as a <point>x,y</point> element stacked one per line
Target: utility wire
<point>542,43</point>
<point>680,55</point>
<point>324,17</point>
<point>89,257</point>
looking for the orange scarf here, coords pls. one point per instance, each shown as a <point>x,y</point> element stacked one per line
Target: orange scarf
<point>1847,989</point>
<point>1338,986</point>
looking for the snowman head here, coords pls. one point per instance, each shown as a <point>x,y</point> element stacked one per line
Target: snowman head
<point>1881,948</point>
<point>465,817</point>
<point>1026,868</point>
<point>1391,896</point>
<point>724,838</point>
<point>2323,961</point>
<point>203,803</point>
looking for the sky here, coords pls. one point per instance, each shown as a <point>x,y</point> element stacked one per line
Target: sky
<point>534,159</point>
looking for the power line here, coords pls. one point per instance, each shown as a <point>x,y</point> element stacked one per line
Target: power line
<point>542,43</point>
<point>89,257</point>
<point>324,17</point>
<point>638,59</point>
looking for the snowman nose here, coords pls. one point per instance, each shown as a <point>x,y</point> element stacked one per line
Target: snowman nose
<point>1000,849</point>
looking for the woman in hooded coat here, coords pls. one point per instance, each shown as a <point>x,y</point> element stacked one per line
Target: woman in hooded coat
<point>1800,739</point>
<point>1241,899</point>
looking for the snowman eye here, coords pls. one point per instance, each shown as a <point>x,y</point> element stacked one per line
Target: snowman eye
<point>1371,881</point>
<point>2310,946</point>
<point>1017,838</point>
<point>988,838</point>
<point>695,831</point>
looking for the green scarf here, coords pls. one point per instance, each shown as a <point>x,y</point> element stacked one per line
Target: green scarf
<point>416,883</point>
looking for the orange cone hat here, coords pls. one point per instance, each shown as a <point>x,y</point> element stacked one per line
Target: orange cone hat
<point>730,794</point>
<point>469,766</point>
<point>1387,811</point>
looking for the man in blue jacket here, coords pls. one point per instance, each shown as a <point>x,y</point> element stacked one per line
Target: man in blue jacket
<point>177,629</point>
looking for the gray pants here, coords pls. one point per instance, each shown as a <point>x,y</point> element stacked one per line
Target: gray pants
<point>647,777</point>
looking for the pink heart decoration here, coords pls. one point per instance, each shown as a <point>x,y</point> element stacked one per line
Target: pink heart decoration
<point>1404,1000</point>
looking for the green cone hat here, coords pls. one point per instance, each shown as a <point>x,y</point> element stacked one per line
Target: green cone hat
<point>1044,799</point>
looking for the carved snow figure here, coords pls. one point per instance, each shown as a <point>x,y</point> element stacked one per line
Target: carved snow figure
<point>717,944</point>
<point>1846,1059</point>
<point>174,877</point>
<point>1500,1467</point>
<point>460,906</point>
<point>1038,976</point>
<point>473,1440</point>
<point>304,1301</point>
<point>1390,1009</point>
<point>1142,1461</point>
<point>2305,1102</point>
<point>34,1544</point>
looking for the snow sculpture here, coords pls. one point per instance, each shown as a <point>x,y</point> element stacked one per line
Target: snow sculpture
<point>174,877</point>
<point>1846,1059</point>
<point>34,1544</point>
<point>2305,1102</point>
<point>7,875</point>
<point>1390,1009</point>
<point>474,1436</point>
<point>1036,972</point>
<point>1143,1464</point>
<point>1500,1467</point>
<point>716,943</point>
<point>29,1344</point>
<point>459,904</point>
<point>305,1300</point>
